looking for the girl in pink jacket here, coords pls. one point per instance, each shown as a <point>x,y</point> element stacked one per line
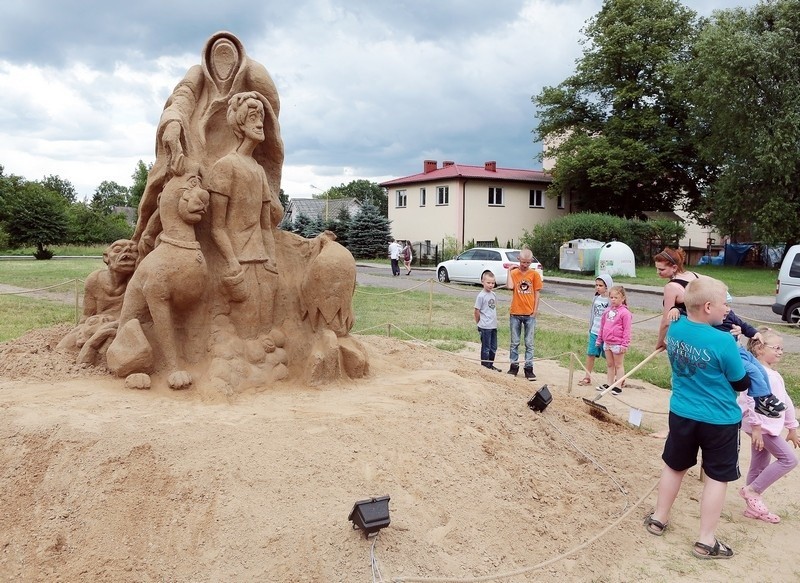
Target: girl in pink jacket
<point>765,432</point>
<point>615,335</point>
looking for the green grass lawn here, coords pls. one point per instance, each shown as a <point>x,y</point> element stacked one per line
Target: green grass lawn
<point>34,274</point>
<point>22,314</point>
<point>59,250</point>
<point>741,281</point>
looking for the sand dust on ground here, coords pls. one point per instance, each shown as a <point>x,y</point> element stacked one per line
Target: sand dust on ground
<point>101,483</point>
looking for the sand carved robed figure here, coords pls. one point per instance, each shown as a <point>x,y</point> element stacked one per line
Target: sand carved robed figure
<point>221,299</point>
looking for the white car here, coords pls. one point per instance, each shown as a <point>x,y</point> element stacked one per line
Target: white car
<point>787,292</point>
<point>473,263</point>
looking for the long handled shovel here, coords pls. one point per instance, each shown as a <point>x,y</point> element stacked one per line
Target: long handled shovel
<point>598,407</point>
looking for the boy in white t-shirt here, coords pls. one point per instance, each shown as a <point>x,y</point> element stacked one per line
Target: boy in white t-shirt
<point>486,319</point>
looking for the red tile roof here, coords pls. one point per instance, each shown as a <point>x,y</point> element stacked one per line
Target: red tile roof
<point>452,170</point>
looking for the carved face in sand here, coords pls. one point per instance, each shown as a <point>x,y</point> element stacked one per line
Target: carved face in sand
<point>253,126</point>
<point>121,256</point>
<point>193,202</point>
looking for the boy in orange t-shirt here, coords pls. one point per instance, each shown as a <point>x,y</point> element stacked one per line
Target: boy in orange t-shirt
<point>525,284</point>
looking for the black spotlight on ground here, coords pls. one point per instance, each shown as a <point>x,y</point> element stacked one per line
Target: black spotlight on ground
<point>370,515</point>
<point>541,399</point>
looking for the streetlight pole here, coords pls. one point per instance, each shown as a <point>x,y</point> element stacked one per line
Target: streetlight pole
<point>327,197</point>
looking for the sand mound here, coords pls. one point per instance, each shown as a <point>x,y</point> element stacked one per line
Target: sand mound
<point>100,483</point>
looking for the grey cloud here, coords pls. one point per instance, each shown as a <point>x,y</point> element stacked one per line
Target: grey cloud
<point>100,33</point>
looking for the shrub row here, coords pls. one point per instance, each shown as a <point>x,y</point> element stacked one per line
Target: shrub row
<point>645,238</point>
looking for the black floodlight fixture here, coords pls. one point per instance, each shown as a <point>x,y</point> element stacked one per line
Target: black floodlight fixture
<point>541,399</point>
<point>370,515</point>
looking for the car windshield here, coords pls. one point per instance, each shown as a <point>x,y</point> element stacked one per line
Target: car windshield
<point>512,255</point>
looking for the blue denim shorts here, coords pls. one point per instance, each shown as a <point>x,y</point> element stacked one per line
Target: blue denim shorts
<point>592,349</point>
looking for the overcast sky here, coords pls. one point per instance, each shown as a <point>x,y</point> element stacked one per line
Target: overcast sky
<point>368,88</point>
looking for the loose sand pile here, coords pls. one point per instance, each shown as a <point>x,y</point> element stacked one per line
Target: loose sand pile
<point>100,483</point>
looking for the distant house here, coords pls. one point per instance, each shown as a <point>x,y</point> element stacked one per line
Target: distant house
<point>472,203</point>
<point>321,208</point>
<point>698,240</point>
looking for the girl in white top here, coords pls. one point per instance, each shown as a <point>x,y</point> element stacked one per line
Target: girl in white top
<point>765,432</point>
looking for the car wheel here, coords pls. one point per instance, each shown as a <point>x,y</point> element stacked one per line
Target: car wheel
<point>443,275</point>
<point>793,313</point>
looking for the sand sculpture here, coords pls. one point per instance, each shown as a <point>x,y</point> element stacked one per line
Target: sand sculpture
<point>102,302</point>
<point>220,298</point>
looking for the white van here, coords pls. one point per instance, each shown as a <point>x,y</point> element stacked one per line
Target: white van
<point>787,292</point>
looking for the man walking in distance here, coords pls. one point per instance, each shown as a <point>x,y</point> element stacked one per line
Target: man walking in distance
<point>394,255</point>
<point>525,284</point>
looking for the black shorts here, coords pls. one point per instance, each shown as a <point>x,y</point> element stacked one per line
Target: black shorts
<point>718,443</point>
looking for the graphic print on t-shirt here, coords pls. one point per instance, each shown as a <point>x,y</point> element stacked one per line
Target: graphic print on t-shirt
<point>686,358</point>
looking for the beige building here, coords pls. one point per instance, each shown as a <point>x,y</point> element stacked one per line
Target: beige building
<point>470,203</point>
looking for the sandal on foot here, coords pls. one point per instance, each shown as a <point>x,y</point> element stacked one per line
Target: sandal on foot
<point>653,526</point>
<point>718,551</point>
<point>768,517</point>
<point>754,503</point>
<point>586,381</point>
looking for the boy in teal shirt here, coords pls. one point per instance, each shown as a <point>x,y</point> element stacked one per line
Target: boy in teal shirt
<point>707,373</point>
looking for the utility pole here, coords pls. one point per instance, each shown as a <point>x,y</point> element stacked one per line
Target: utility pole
<point>327,198</point>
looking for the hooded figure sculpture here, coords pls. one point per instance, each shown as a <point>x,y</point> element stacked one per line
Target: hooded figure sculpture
<point>193,125</point>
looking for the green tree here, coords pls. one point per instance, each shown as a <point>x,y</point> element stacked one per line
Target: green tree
<point>10,184</point>
<point>301,225</point>
<point>368,233</point>
<point>341,226</point>
<point>620,122</point>
<point>60,186</point>
<point>36,216</point>
<point>108,195</point>
<point>746,91</point>
<point>90,227</point>
<point>139,182</point>
<point>363,191</point>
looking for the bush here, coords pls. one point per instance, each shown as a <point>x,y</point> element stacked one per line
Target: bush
<point>641,236</point>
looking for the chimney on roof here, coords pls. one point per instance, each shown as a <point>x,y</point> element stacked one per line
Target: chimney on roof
<point>447,163</point>
<point>490,166</point>
<point>428,166</point>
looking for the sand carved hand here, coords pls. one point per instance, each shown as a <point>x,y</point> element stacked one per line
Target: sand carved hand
<point>172,141</point>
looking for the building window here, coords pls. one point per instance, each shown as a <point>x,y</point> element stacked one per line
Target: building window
<point>442,195</point>
<point>536,199</point>
<point>560,201</point>
<point>400,198</point>
<point>422,197</point>
<point>495,196</point>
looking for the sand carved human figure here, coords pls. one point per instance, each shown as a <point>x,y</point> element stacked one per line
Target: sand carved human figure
<point>105,288</point>
<point>193,125</point>
<point>104,291</point>
<point>167,293</point>
<point>244,212</point>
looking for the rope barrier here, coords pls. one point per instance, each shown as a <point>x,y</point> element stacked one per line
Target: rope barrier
<point>634,323</point>
<point>524,570</point>
<point>28,291</point>
<point>360,291</point>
